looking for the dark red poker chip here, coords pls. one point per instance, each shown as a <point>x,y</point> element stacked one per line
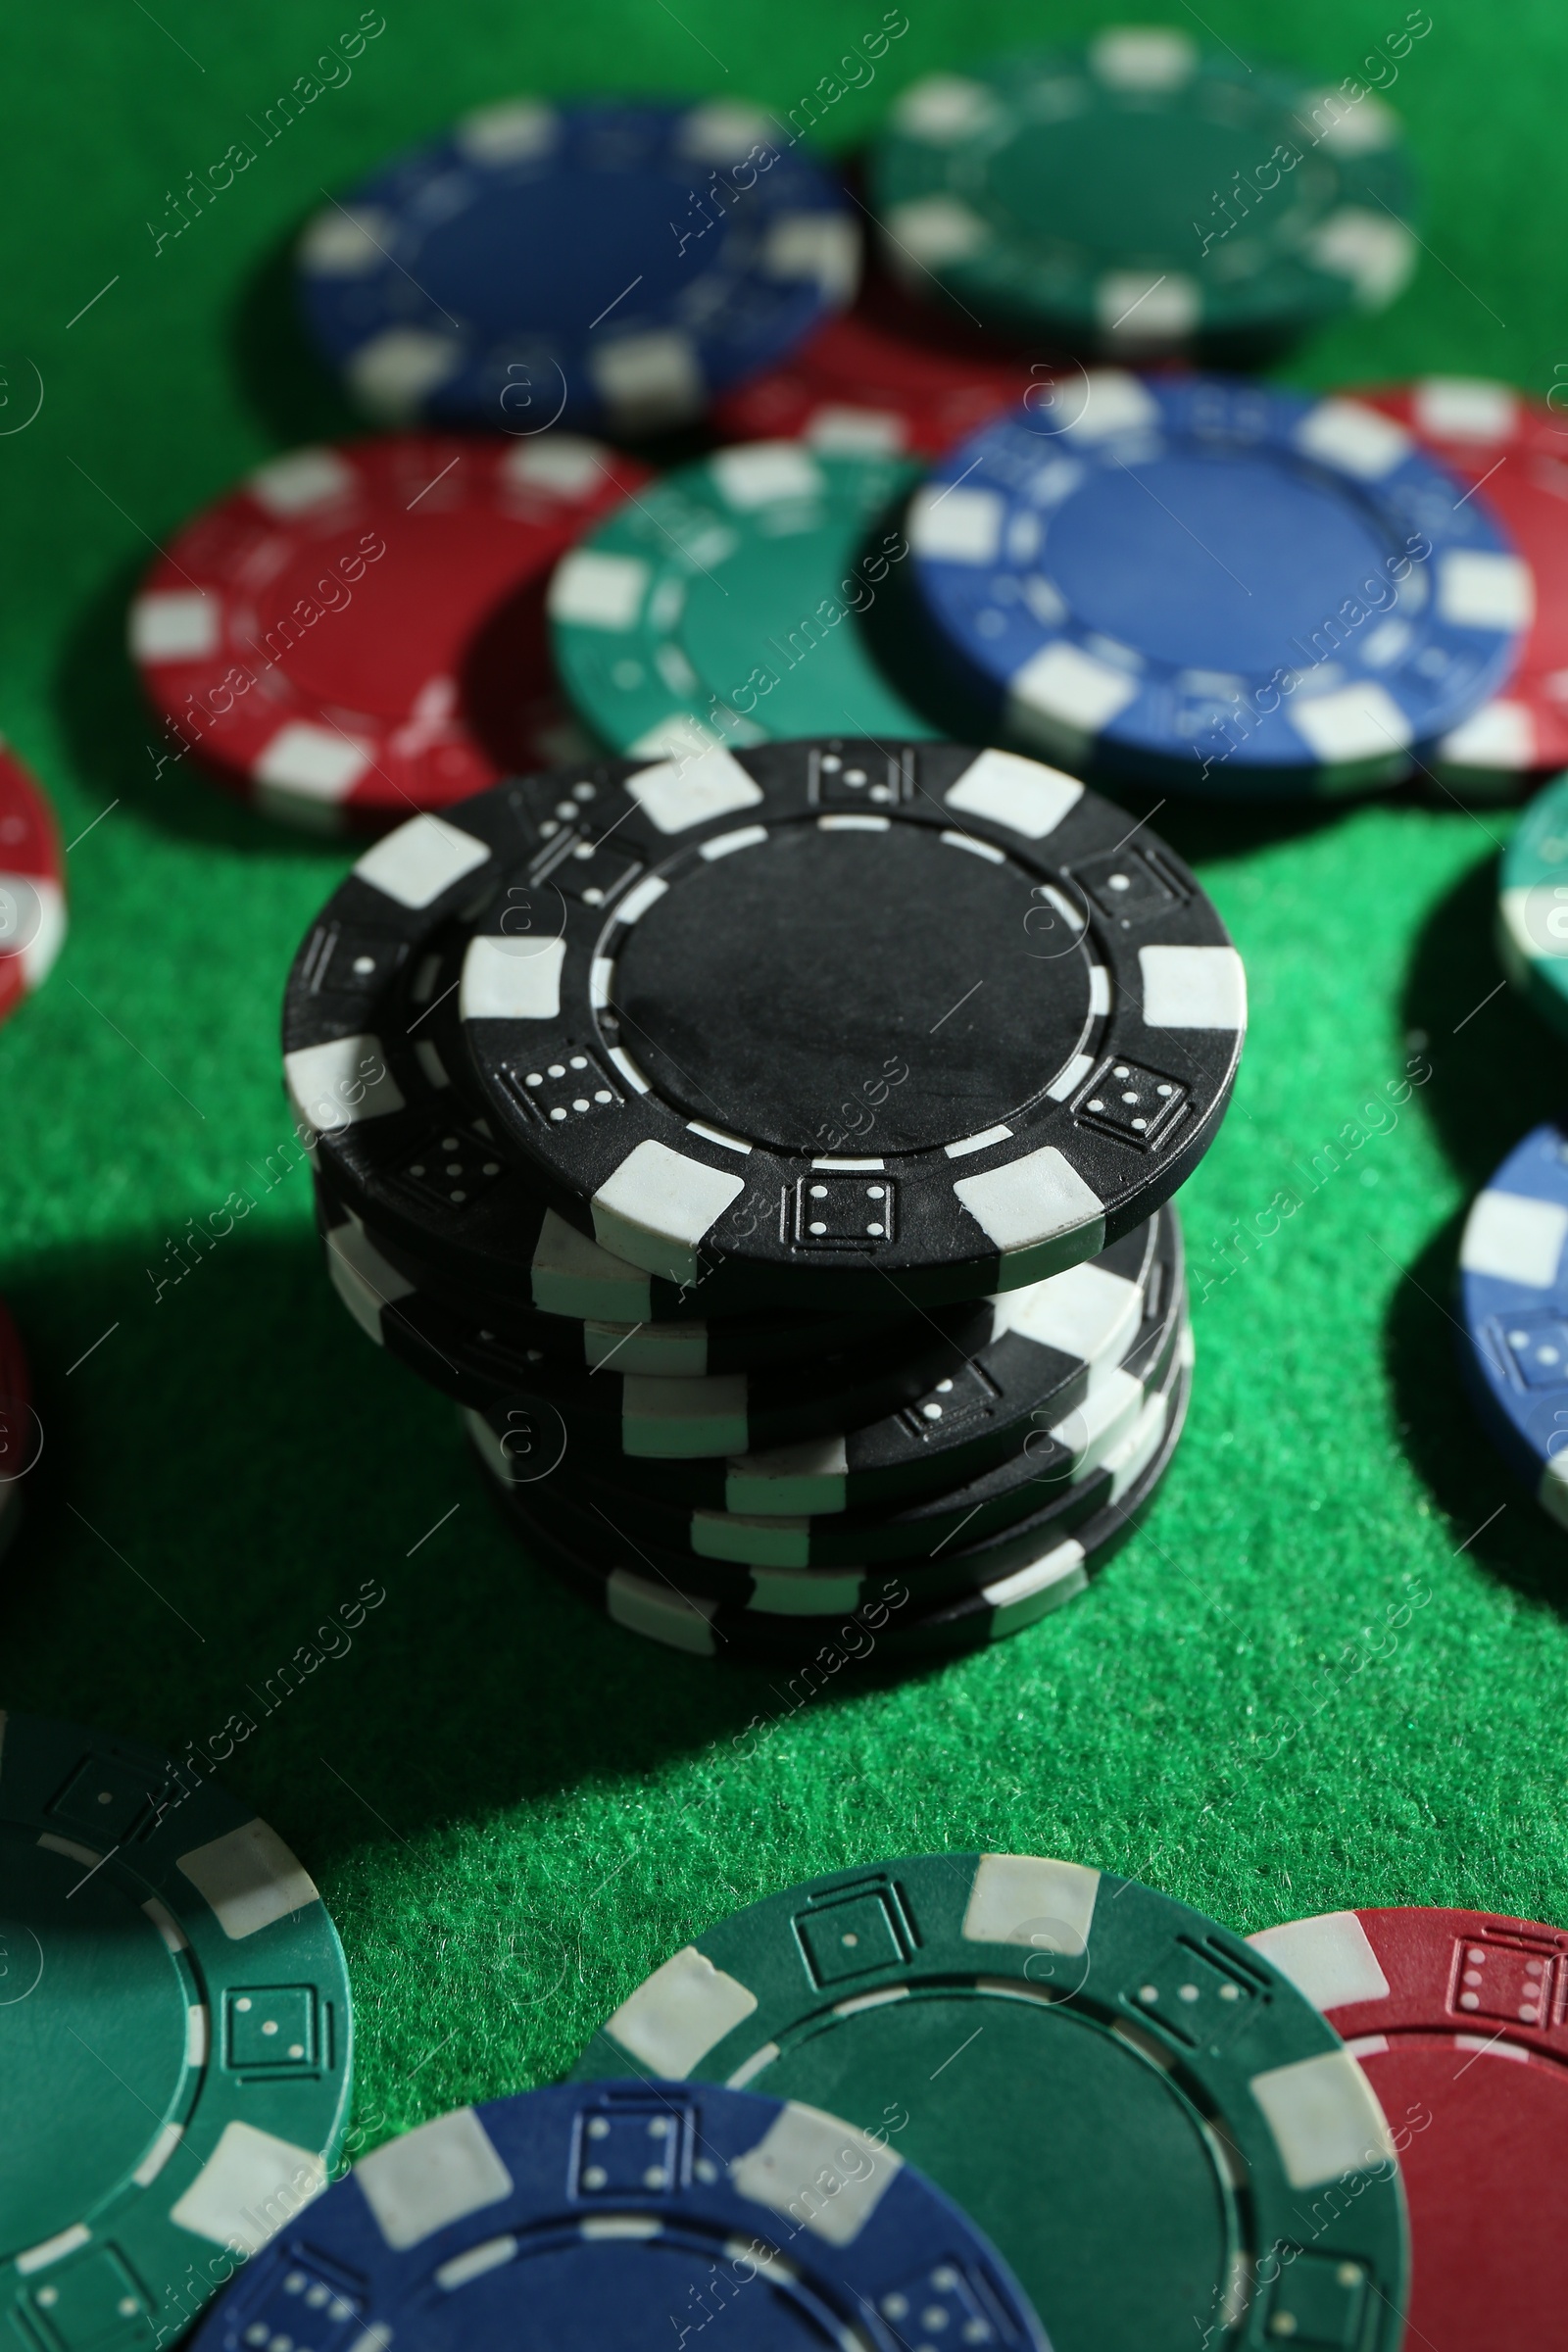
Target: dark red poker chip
<point>32,884</point>
<point>1460,2021</point>
<point>356,632</point>
<point>1514,453</point>
<point>855,386</point>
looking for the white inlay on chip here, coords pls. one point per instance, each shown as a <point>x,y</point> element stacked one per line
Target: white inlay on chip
<point>1330,1959</point>
<point>680,2013</point>
<point>437,2174</point>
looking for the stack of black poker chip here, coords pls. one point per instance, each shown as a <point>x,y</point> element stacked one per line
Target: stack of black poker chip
<point>773,1151</point>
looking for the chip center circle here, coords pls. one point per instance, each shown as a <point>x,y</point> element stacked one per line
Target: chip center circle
<point>835,991</point>
<point>1168,556</point>
<point>92,2053</point>
<point>1175,159</point>
<point>1135,2146</point>
<point>579,233</point>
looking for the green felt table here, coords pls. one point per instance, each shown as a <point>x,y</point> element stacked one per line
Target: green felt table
<point>1330,1670</point>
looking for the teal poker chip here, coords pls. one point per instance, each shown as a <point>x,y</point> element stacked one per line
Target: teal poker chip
<point>1143,193</point>
<point>1155,2128</point>
<point>1533,904</point>
<point>731,603</point>
<point>175,2038</point>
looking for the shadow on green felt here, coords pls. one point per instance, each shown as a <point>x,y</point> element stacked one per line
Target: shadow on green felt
<point>275,372</point>
<point>221,1475</point>
<point>1496,1069</point>
<point>1516,1542</point>
<point>120,751</point>
<point>1496,1072</point>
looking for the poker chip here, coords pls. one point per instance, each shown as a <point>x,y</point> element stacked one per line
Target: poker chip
<point>859,390</point>
<point>1184,2079</point>
<point>801,1410</point>
<point>1457,2017</point>
<point>358,631</point>
<point>1533,904</point>
<point>1514,453</point>
<point>605,265</point>
<point>881,1615</point>
<point>1216,586</point>
<point>730,603</point>
<point>1145,194</point>
<point>178,2036</point>
<point>1031,1374</point>
<point>597,2213</point>
<point>1073,1098</point>
<point>32,884</point>
<point>661,1417</point>
<point>1514,1292</point>
<point>446,1337</point>
<point>975,1588</point>
<point>818,1016</point>
<point>1061,1443</point>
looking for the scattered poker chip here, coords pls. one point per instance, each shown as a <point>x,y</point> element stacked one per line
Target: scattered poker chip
<point>857,390</point>
<point>605,265</point>
<point>1457,2017</point>
<point>1185,2081</point>
<point>1060,1444</point>
<point>815,1019</point>
<point>1145,194</point>
<point>1533,904</point>
<point>601,2215</point>
<point>32,884</point>
<point>729,602</point>
<point>1031,1376</point>
<point>357,632</point>
<point>1217,585</point>
<point>415,1317</point>
<point>178,2037</point>
<point>1513,1291</point>
<point>1514,453</point>
<point>973,1592</point>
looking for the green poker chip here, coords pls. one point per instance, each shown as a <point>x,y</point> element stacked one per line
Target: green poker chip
<point>1533,904</point>
<point>731,603</point>
<point>1158,2130</point>
<point>175,2038</point>
<point>1141,192</point>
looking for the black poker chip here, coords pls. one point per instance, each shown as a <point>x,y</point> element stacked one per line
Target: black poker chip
<point>813,1016</point>
<point>413,1308</point>
<point>823,1024</point>
<point>723,1550</point>
<point>610,1528</point>
<point>1026,1377</point>
<point>885,1616</point>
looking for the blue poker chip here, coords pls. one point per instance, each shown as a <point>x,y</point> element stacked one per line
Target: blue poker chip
<point>1513,1287</point>
<point>1215,586</point>
<point>609,2215</point>
<point>603,266</point>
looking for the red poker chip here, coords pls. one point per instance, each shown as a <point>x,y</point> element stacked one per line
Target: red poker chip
<point>855,386</point>
<point>1515,451</point>
<point>32,884</point>
<point>1460,2022</point>
<point>358,631</point>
